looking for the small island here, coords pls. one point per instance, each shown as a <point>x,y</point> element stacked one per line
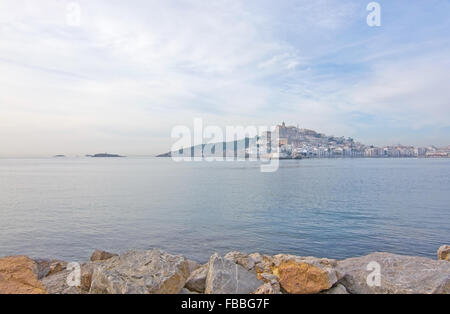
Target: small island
<point>105,155</point>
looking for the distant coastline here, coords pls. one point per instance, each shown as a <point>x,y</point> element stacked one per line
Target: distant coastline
<point>290,142</point>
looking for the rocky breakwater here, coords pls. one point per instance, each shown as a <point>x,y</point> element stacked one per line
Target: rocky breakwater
<point>155,271</point>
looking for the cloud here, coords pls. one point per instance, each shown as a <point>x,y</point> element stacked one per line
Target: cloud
<point>413,92</point>
<point>128,73</point>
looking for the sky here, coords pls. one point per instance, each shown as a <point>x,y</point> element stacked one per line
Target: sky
<point>118,76</point>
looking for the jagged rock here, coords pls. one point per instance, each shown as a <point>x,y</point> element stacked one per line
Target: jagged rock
<point>337,289</point>
<point>268,288</point>
<point>264,264</point>
<point>140,272</point>
<point>254,262</point>
<point>19,275</point>
<point>304,275</point>
<point>57,283</point>
<point>87,270</point>
<point>42,267</point>
<point>197,279</point>
<point>444,253</point>
<point>99,255</point>
<point>56,266</point>
<point>257,258</point>
<point>263,267</point>
<point>271,284</point>
<point>192,265</point>
<point>242,259</point>
<point>266,277</point>
<point>225,276</point>
<point>399,274</point>
<point>47,267</point>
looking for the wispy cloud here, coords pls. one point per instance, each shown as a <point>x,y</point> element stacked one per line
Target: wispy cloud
<point>131,71</point>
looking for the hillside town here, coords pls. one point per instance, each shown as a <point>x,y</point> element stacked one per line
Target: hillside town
<point>294,142</point>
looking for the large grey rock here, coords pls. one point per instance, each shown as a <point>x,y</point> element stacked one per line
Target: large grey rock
<point>225,276</point>
<point>141,272</point>
<point>87,271</point>
<point>197,279</point>
<point>399,274</point>
<point>57,283</point>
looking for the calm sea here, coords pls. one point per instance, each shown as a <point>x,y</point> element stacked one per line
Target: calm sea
<point>337,208</point>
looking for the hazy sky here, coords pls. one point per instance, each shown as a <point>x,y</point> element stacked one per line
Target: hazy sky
<point>131,70</point>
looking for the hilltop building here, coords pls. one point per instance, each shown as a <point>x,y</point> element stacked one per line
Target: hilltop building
<point>294,141</point>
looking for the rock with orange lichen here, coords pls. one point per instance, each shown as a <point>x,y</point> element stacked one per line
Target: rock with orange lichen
<point>305,275</point>
<point>18,275</point>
